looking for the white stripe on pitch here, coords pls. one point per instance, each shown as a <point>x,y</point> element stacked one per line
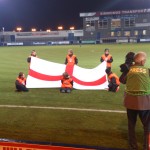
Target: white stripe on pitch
<point>63,108</point>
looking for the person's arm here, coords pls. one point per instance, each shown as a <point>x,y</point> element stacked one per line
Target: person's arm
<point>17,82</point>
<point>66,61</point>
<point>71,82</point>
<point>123,78</point>
<point>101,59</point>
<point>29,59</point>
<point>76,60</point>
<point>61,81</point>
<point>110,60</point>
<point>25,81</point>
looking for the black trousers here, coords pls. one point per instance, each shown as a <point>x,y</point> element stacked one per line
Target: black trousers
<point>65,90</point>
<point>144,116</point>
<point>21,88</point>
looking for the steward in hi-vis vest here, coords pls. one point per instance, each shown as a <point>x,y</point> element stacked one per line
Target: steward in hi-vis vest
<point>108,58</point>
<point>67,83</point>
<point>113,81</point>
<point>21,83</point>
<point>70,58</point>
<point>33,54</point>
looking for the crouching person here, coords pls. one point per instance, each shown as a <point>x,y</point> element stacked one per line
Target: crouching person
<point>21,83</point>
<point>113,81</point>
<point>67,83</point>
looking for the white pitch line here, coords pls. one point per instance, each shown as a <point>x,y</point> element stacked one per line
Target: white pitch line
<point>63,108</point>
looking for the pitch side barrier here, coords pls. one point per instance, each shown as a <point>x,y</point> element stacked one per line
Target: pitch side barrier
<point>48,43</point>
<point>75,42</point>
<point>145,40</point>
<point>7,144</point>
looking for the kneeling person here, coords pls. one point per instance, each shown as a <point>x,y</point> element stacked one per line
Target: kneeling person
<point>113,80</point>
<point>67,83</point>
<point>21,83</point>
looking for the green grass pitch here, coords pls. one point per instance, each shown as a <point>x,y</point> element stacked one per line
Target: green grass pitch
<point>64,126</point>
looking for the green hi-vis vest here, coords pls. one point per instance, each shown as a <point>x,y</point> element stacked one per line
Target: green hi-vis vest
<point>138,81</point>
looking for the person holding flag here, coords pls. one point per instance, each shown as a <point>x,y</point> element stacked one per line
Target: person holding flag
<point>21,83</point>
<point>108,58</point>
<point>71,59</point>
<point>67,83</point>
<point>33,54</point>
<point>113,81</point>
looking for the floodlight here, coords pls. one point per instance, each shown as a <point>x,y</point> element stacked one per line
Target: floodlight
<point>60,27</point>
<point>19,29</point>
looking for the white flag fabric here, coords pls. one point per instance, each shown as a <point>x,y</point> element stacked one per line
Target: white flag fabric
<point>46,74</point>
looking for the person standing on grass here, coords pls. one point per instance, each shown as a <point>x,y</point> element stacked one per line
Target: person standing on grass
<point>108,58</point>
<point>21,83</point>
<point>71,59</point>
<point>137,100</point>
<point>33,54</point>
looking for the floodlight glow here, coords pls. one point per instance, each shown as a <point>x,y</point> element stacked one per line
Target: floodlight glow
<point>72,28</point>
<point>87,25</point>
<point>48,30</point>
<point>60,28</point>
<point>19,29</point>
<point>33,30</point>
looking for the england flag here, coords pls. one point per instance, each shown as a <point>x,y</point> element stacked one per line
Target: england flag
<point>46,74</point>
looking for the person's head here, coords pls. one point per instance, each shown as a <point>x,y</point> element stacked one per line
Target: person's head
<point>21,75</point>
<point>106,51</point>
<point>129,58</point>
<point>66,75</point>
<point>70,52</point>
<point>33,53</point>
<point>140,58</point>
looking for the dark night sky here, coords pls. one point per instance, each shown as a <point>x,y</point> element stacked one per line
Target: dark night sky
<point>43,14</point>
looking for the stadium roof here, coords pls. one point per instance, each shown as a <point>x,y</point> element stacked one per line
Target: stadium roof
<point>120,12</point>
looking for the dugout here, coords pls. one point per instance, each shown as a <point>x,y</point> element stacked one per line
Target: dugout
<point>117,26</point>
